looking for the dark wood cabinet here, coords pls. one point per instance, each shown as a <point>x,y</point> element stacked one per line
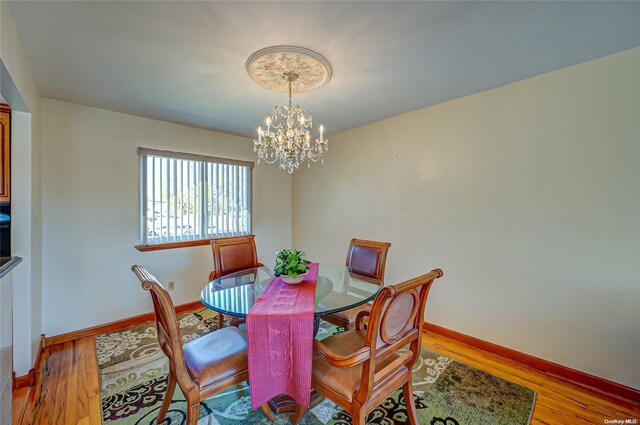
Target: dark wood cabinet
<point>5,153</point>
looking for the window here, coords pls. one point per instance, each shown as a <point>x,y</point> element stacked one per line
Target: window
<point>187,197</point>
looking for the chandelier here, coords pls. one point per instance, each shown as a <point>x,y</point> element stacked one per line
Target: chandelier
<point>286,138</point>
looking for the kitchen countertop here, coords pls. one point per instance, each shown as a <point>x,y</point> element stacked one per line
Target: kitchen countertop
<point>7,264</point>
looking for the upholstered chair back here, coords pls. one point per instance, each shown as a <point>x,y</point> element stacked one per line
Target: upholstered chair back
<point>368,258</point>
<point>234,254</point>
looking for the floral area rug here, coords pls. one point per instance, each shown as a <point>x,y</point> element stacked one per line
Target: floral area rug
<point>133,373</point>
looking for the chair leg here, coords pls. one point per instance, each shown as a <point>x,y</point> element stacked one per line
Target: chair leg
<point>192,414</point>
<point>407,391</point>
<point>234,321</point>
<point>346,324</point>
<point>220,321</point>
<point>358,415</point>
<point>267,412</point>
<point>299,412</point>
<point>350,326</point>
<point>168,396</point>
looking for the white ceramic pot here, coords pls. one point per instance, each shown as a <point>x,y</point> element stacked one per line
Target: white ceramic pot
<point>293,280</point>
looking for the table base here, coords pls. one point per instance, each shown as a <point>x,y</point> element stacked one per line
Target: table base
<point>285,404</point>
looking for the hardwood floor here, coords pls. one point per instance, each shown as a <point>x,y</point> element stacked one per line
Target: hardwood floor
<point>68,391</point>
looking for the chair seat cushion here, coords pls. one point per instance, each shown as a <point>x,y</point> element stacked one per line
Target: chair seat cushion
<point>345,382</point>
<point>216,356</point>
<point>350,315</point>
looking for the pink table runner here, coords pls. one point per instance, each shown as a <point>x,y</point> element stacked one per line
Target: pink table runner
<point>280,338</point>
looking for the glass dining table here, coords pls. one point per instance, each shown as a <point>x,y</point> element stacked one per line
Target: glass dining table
<point>337,289</point>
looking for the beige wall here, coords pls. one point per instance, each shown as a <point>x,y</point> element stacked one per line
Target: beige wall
<point>19,89</point>
<point>527,196</point>
<point>90,213</point>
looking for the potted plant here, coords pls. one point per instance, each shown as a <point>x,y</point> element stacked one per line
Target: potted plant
<point>291,265</point>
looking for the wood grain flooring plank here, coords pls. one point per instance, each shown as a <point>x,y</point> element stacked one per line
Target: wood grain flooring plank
<point>71,409</point>
<point>92,381</point>
<point>84,382</point>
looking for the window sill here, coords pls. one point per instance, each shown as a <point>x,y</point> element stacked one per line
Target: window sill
<point>181,244</point>
<point>172,245</point>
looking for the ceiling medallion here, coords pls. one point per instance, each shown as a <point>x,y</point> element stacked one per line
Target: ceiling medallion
<point>267,65</point>
<point>286,138</point>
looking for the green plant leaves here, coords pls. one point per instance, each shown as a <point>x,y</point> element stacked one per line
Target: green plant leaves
<point>290,262</point>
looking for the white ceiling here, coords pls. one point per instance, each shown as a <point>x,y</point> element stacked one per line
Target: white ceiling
<point>184,61</point>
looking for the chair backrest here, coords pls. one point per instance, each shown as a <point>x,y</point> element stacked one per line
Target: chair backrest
<point>234,254</point>
<point>395,321</point>
<point>367,258</point>
<point>167,326</point>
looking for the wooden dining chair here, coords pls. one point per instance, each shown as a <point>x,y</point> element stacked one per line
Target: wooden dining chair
<point>202,367</point>
<point>359,369</point>
<point>231,255</point>
<point>364,258</point>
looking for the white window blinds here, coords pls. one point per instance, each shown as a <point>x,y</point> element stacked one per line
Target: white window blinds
<point>189,197</point>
